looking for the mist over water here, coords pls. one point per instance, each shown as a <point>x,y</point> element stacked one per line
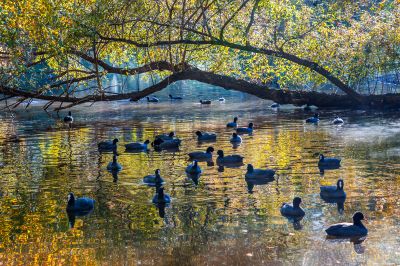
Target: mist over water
<point>216,221</point>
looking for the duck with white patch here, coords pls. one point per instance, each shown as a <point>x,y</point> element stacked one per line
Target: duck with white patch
<point>199,155</point>
<point>79,204</point>
<point>333,191</point>
<point>206,136</point>
<point>328,163</point>
<point>292,210</point>
<point>193,168</point>
<point>137,146</point>
<point>69,118</point>
<point>114,165</point>
<point>154,180</point>
<point>245,130</point>
<point>355,229</point>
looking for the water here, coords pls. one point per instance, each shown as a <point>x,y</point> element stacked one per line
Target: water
<point>217,221</point>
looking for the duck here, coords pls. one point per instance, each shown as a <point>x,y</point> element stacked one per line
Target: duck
<point>161,197</point>
<point>259,173</point>
<point>175,98</point>
<point>314,119</point>
<point>155,179</point>
<point>205,102</point>
<point>193,168</point>
<point>230,159</point>
<point>79,204</point>
<point>205,136</point>
<point>235,138</point>
<point>337,121</point>
<point>221,99</point>
<point>160,144</point>
<point>69,118</point>
<point>168,136</point>
<point>114,165</point>
<point>248,129</point>
<point>355,229</point>
<point>108,145</point>
<point>152,99</point>
<point>135,146</point>
<point>333,191</point>
<point>232,124</point>
<point>275,105</point>
<point>328,162</point>
<point>292,210</point>
<point>199,155</point>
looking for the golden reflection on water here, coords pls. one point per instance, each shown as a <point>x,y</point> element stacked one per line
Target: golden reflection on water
<point>215,222</point>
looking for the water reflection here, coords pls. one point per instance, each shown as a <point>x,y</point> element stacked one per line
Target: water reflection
<point>213,219</point>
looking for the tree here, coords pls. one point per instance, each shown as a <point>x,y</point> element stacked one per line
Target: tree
<point>238,44</point>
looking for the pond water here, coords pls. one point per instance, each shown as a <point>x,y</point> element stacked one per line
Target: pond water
<point>214,222</point>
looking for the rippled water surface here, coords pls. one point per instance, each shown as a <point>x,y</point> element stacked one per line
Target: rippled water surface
<point>216,221</point>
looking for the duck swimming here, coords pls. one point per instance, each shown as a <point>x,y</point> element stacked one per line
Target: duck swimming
<point>114,165</point>
<point>354,229</point>
<point>199,155</point>
<point>108,145</point>
<point>175,98</point>
<point>137,146</point>
<point>248,129</point>
<point>328,162</point>
<point>152,99</point>
<point>193,168</point>
<point>205,102</point>
<point>160,144</point>
<point>232,124</point>
<point>168,136</point>
<point>160,197</point>
<point>333,191</point>
<point>230,159</point>
<point>314,119</point>
<point>275,105</point>
<point>337,121</point>
<point>292,210</point>
<point>79,204</point>
<point>206,136</point>
<point>69,118</point>
<point>235,138</point>
<point>221,99</point>
<point>154,180</point>
<point>259,173</point>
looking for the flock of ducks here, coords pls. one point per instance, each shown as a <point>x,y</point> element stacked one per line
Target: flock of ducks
<point>83,206</point>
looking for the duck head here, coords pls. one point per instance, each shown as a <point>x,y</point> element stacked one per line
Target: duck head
<point>195,163</point>
<point>199,134</point>
<point>296,202</point>
<point>340,184</point>
<point>321,157</point>
<point>357,217</point>
<point>251,125</point>
<point>69,113</point>
<point>170,96</point>
<point>316,115</point>
<point>146,142</point>
<point>210,150</point>
<point>171,134</point>
<point>235,119</point>
<point>115,141</point>
<point>157,172</point>
<point>250,168</point>
<point>234,135</point>
<point>220,153</point>
<point>71,199</point>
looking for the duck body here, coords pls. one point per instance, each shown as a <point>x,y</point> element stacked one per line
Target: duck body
<point>169,136</point>
<point>313,120</point>
<point>166,144</point>
<point>108,145</point>
<point>354,229</point>
<point>161,197</point>
<point>205,101</point>
<point>230,159</point>
<point>244,130</point>
<point>275,105</point>
<point>259,173</point>
<point>233,124</point>
<point>114,165</point>
<point>193,168</point>
<point>206,136</point>
<point>328,162</point>
<point>236,138</point>
<point>221,99</point>
<point>337,121</point>
<point>199,155</point>
<point>79,204</point>
<point>294,210</point>
<point>333,191</point>
<point>69,118</point>
<point>175,98</point>
<point>154,180</point>
<point>152,99</point>
<point>135,146</point>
